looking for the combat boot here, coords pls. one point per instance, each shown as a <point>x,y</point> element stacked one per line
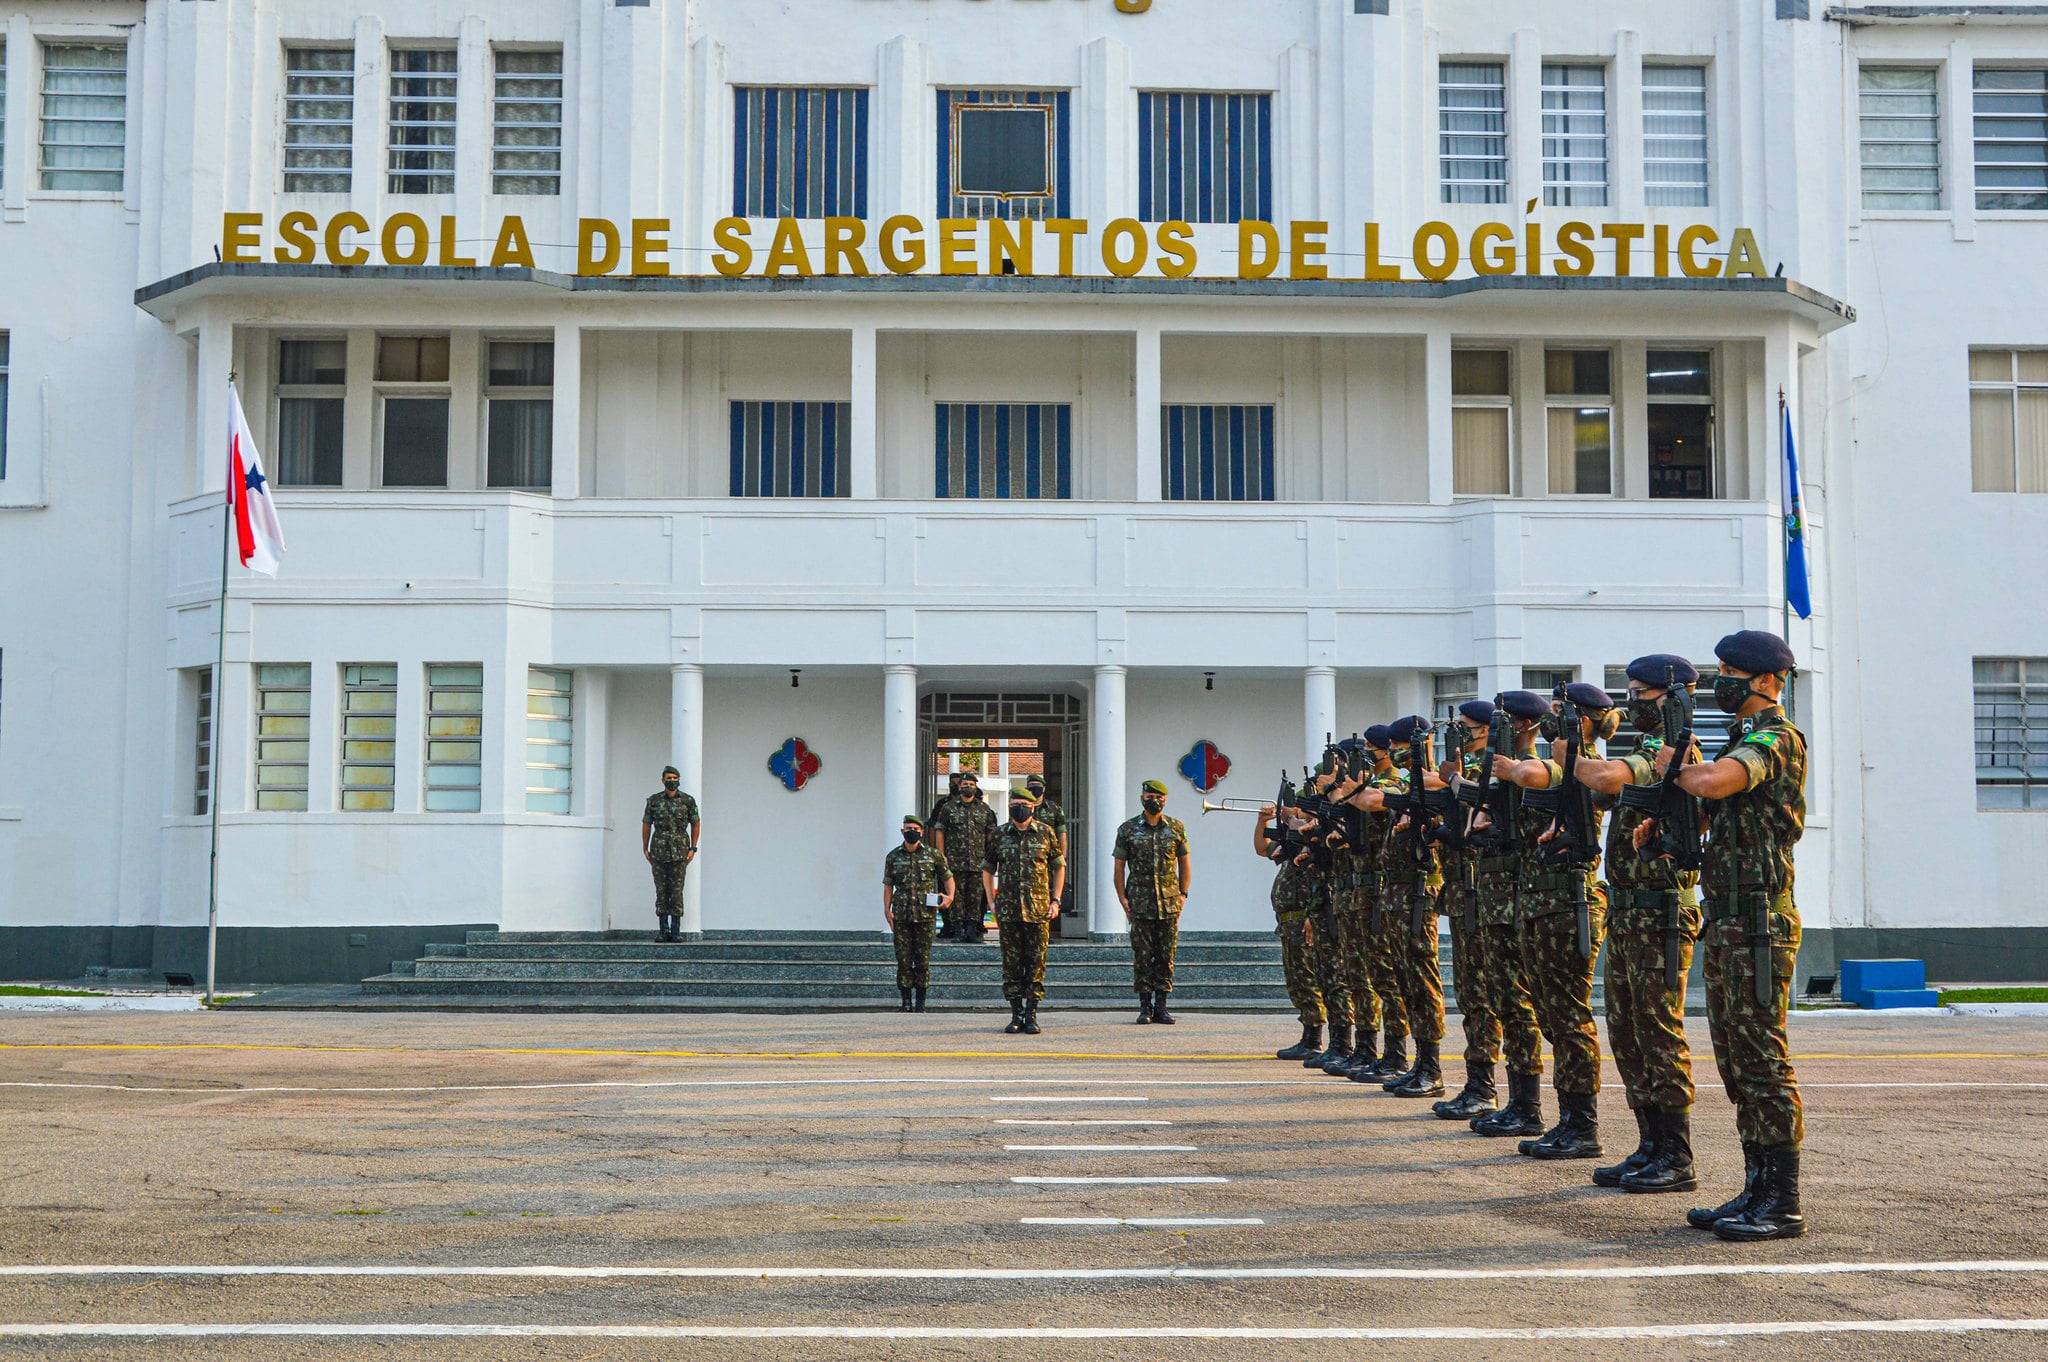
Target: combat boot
<point>1339,1053</point>
<point>1576,1134</point>
<point>1476,1098</point>
<point>1311,1043</point>
<point>1773,1213</point>
<point>1523,1115</point>
<point>1159,1013</point>
<point>1031,1017</point>
<point>1612,1174</point>
<point>1144,1009</point>
<point>1016,1017</point>
<point>1752,1165</point>
<point>917,1000</point>
<point>1427,1078</point>
<point>1393,1061</point>
<point>906,999</point>
<point>1670,1168</point>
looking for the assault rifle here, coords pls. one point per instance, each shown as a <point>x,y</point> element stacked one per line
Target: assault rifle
<point>1413,804</point>
<point>1455,833</point>
<point>1572,809</point>
<point>1677,813</point>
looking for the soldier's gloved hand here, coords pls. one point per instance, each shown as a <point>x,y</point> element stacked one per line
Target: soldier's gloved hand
<point>1644,831</point>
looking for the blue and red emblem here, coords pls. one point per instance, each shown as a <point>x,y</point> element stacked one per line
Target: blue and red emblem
<point>1204,766</point>
<point>794,763</point>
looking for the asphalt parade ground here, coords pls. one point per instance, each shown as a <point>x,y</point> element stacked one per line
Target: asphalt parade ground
<point>400,1186</point>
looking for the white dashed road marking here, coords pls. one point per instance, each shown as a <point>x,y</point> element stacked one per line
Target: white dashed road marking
<point>1066,1097</point>
<point>1100,1148</point>
<point>1161,1222</point>
<point>1116,1182</point>
<point>1015,1121</point>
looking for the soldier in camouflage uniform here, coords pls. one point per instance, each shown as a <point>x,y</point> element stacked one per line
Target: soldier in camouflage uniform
<point>1152,875</point>
<point>916,887</point>
<point>670,828</point>
<point>1323,893</point>
<point>1560,978</point>
<point>1755,793</point>
<point>1384,941</point>
<point>1504,861</point>
<point>1345,921</point>
<point>1024,873</point>
<point>1646,895</point>
<point>963,829</point>
<point>1049,813</point>
<point>1293,906</point>
<point>1467,736</point>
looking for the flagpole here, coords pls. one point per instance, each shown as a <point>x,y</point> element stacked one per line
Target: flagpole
<point>220,656</point>
<point>1784,527</point>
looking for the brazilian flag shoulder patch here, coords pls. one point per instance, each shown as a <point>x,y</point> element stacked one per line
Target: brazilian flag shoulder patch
<point>1762,739</point>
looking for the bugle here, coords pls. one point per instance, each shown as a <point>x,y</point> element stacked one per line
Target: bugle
<point>1233,806</point>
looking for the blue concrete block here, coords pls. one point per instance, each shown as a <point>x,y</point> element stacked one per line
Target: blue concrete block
<point>1879,999</point>
<point>1860,977</point>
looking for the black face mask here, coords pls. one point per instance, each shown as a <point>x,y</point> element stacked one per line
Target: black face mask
<point>670,784</point>
<point>1020,813</point>
<point>913,836</point>
<point>969,794</point>
<point>1152,805</point>
<point>1731,693</point>
<point>1647,716</point>
<point>1551,727</point>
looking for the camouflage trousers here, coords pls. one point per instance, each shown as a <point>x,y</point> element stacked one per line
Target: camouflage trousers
<point>1354,945</point>
<point>1297,964</point>
<point>1561,986</point>
<point>668,887</point>
<point>964,917</point>
<point>1497,975</point>
<point>1482,1023</point>
<point>1024,945</point>
<point>1646,1021</point>
<point>1385,944</point>
<point>1418,962</point>
<point>1750,1046</point>
<point>1153,943</point>
<point>914,949</point>
<point>1327,935</point>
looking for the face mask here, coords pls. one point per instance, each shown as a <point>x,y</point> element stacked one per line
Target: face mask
<point>969,793</point>
<point>1646,715</point>
<point>670,783</point>
<point>1020,813</point>
<point>1551,727</point>
<point>913,835</point>
<point>1037,792</point>
<point>1152,805</point>
<point>1731,693</point>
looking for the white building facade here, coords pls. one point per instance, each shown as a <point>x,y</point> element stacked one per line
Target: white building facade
<point>869,386</point>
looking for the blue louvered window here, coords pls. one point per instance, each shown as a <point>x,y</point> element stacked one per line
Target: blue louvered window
<point>1204,157</point>
<point>1003,154</point>
<point>1216,453</point>
<point>799,152</point>
<point>791,449</point>
<point>1022,450</point>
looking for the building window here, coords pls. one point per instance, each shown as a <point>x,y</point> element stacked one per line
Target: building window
<point>549,738</point>
<point>1899,111</point>
<point>2009,420</point>
<point>1675,136</point>
<point>1216,453</point>
<point>455,738</point>
<point>800,152</point>
<point>790,449</point>
<point>1575,136</point>
<point>312,379</point>
<point>1204,157</point>
<point>412,381</point>
<point>1546,680</point>
<point>369,736</point>
<point>1472,131</point>
<point>520,392</point>
<point>1004,450</point>
<point>526,150</point>
<point>1681,423</point>
<point>1448,690</point>
<point>2012,732</point>
<point>422,121</point>
<point>319,119</point>
<point>1003,154</point>
<point>1578,398</point>
<point>2011,111</point>
<point>85,116</point>
<point>1481,408</point>
<point>4,347</point>
<point>283,710</point>
<point>202,741</point>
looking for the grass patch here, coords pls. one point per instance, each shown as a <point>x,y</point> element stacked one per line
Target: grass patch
<point>1993,995</point>
<point>32,991</point>
<point>360,1211</point>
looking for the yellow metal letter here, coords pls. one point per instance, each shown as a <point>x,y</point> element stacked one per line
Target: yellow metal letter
<point>514,247</point>
<point>241,237</point>
<point>1374,270</point>
<point>597,246</point>
<point>843,239</point>
<point>735,252</point>
<point>1689,262</point>
<point>449,255</point>
<point>1624,235</point>
<point>1493,249</point>
<point>1066,231</point>
<point>1575,240</point>
<point>1307,241</point>
<point>1446,237</point>
<point>339,254</point>
<point>295,239</point>
<point>1010,243</point>
<point>1253,238</point>
<point>415,253</point>
<point>956,246</point>
<point>1114,257</point>
<point>1176,249</point>
<point>1743,256</point>
<point>900,256</point>
<point>650,247</point>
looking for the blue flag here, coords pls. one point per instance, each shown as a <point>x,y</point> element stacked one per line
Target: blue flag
<point>1797,592</point>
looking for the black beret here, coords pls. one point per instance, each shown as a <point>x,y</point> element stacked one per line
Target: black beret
<point>1756,651</point>
<point>1407,729</point>
<point>1352,744</point>
<point>1656,669</point>
<point>1377,736</point>
<point>1586,695</point>
<point>1478,711</point>
<point>1525,704</point>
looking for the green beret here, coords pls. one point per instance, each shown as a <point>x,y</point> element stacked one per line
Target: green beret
<point>1023,797</point>
<point>913,818</point>
<point>1157,787</point>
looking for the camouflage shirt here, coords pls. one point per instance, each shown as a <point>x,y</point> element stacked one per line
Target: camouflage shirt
<point>911,873</point>
<point>968,825</point>
<point>1545,884</point>
<point>1625,868</point>
<point>1023,861</point>
<point>1151,857</point>
<point>1295,892</point>
<point>1751,835</point>
<point>671,818</point>
<point>1402,864</point>
<point>938,810</point>
<point>1052,815</point>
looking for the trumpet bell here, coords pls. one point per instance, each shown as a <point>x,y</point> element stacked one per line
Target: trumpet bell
<point>1233,806</point>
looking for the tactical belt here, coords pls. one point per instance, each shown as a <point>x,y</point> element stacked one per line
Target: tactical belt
<point>1657,899</point>
<point>1562,879</point>
<point>1495,865</point>
<point>1722,905</point>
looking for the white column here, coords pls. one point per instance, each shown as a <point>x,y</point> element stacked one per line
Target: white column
<point>1318,710</point>
<point>1525,117</point>
<point>1145,399</point>
<point>899,748</point>
<point>686,754</point>
<point>1436,416</point>
<point>210,441</point>
<point>567,475</point>
<point>864,459</point>
<point>1106,796</point>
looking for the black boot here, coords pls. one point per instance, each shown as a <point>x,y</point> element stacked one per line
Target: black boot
<point>1752,1166</point>
<point>906,999</point>
<point>1476,1098</point>
<point>1610,1175</point>
<point>917,999</point>
<point>1670,1168</point>
<point>1773,1213</point>
<point>1365,1057</point>
<point>1427,1077</point>
<point>1523,1115</point>
<point>1576,1134</point>
<point>1160,1016</point>
<point>1393,1061</point>
<point>1016,1017</point>
<point>1334,1058</point>
<point>1311,1043</point>
<point>1031,1017</point>
<point>1144,1009</point>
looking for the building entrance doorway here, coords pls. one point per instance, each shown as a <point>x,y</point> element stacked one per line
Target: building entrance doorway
<point>1003,737</point>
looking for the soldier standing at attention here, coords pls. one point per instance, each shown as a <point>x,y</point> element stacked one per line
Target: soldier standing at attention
<point>1292,906</point>
<point>1409,870</point>
<point>1349,894</point>
<point>916,887</point>
<point>1153,871</point>
<point>670,831</point>
<point>1385,922</point>
<point>1646,895</point>
<point>1024,873</point>
<point>953,780</point>
<point>962,833</point>
<point>945,925</point>
<point>1322,893</point>
<point>1755,790</point>
<point>1506,853</point>
<point>1467,737</point>
<point>1050,814</point>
